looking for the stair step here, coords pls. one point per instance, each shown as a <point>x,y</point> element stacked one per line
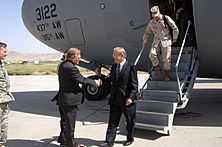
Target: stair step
<point>158,95</point>
<point>184,67</point>
<point>164,93</point>
<point>150,127</point>
<point>156,106</point>
<point>162,85</point>
<point>185,58</point>
<point>153,118</point>
<point>187,49</point>
<point>172,76</point>
<point>160,98</point>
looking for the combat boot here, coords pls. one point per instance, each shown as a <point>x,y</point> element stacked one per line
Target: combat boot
<point>166,75</point>
<point>157,71</point>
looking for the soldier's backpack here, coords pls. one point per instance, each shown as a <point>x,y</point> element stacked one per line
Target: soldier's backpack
<point>167,24</point>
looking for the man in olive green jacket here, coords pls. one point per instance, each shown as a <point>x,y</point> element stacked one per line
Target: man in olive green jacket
<point>5,96</point>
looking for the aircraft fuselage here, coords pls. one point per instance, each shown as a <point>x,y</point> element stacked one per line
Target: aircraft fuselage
<point>96,27</point>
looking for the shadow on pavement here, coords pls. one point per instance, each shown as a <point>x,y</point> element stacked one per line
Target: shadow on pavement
<point>36,102</point>
<point>28,143</point>
<point>50,142</point>
<point>203,109</point>
<point>39,102</point>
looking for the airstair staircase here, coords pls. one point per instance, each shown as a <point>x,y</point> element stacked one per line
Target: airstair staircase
<point>159,99</point>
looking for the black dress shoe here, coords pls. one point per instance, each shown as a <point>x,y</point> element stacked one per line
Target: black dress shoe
<point>128,142</point>
<point>63,143</point>
<point>107,144</point>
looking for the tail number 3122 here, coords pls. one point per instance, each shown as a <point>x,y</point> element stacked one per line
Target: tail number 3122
<point>46,12</point>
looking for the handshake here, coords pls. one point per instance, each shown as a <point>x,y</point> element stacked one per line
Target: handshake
<point>98,82</point>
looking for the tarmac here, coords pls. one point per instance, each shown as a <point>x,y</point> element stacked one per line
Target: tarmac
<point>34,119</point>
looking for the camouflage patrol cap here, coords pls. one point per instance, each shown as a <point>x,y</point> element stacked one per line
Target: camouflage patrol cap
<point>2,44</point>
<point>155,11</point>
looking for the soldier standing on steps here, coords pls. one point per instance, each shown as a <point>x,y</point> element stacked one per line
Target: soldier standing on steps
<point>162,40</point>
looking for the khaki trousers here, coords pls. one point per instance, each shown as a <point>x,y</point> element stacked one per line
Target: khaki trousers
<point>166,56</point>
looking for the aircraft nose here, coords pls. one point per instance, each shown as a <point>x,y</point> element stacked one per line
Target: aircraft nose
<point>26,6</point>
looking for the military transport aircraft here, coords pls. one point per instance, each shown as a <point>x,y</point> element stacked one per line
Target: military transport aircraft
<point>97,26</point>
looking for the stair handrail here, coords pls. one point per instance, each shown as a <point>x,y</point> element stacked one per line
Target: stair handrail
<point>138,57</point>
<point>135,63</point>
<point>179,57</point>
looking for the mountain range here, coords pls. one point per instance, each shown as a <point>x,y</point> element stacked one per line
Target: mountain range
<point>18,56</point>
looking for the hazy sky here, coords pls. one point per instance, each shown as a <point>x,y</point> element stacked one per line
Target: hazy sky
<point>13,31</point>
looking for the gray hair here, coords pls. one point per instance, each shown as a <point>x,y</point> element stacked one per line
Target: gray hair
<point>120,51</point>
<point>72,52</point>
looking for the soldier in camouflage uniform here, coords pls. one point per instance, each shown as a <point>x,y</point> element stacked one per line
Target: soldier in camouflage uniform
<point>162,40</point>
<point>5,96</point>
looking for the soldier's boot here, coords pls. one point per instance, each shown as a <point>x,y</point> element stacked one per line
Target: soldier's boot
<point>166,75</point>
<point>157,71</point>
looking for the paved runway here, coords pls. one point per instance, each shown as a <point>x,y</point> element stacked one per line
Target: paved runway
<point>34,119</point>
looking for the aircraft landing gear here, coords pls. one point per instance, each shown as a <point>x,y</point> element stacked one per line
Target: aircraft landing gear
<point>97,93</point>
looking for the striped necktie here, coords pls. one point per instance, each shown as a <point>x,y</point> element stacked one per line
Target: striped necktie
<point>117,71</point>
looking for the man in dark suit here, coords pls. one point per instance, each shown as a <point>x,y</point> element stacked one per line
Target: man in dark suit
<point>184,10</point>
<point>124,88</point>
<point>167,7</point>
<point>70,93</point>
<point>61,138</point>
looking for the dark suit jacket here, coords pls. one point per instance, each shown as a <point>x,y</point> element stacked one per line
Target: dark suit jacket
<point>188,9</point>
<point>70,93</point>
<point>126,86</point>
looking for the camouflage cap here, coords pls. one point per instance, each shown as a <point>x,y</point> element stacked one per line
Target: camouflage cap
<point>155,11</point>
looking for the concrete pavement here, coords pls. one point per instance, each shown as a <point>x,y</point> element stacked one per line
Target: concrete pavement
<point>34,119</point>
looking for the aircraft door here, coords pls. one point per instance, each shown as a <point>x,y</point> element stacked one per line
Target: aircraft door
<point>74,31</point>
